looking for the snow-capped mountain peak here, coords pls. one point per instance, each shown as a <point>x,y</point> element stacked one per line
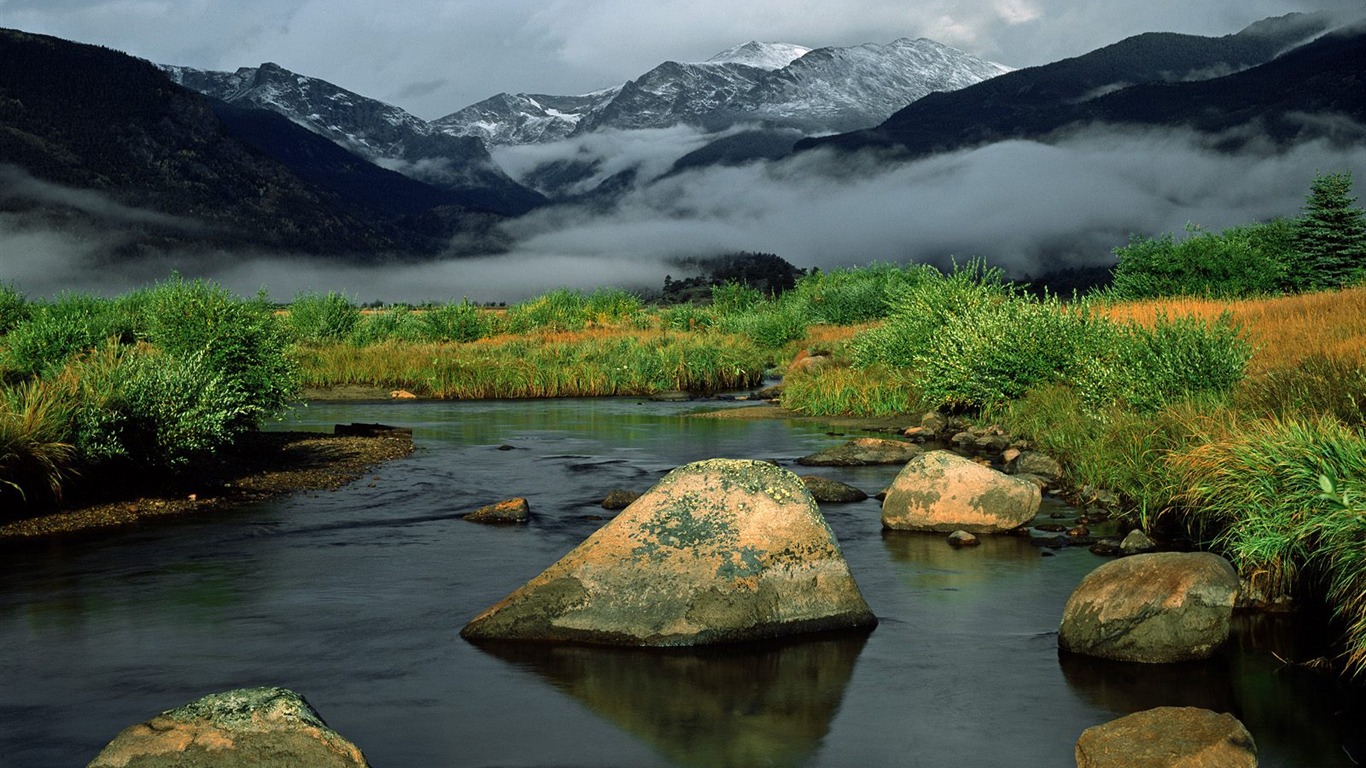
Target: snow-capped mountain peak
<point>769,56</point>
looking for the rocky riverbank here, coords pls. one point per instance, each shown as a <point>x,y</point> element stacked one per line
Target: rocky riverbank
<point>263,465</point>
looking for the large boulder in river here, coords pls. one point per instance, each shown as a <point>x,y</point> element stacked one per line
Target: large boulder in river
<point>249,728</point>
<point>864,451</point>
<point>1168,737</point>
<point>1154,608</point>
<point>719,551</point>
<point>944,492</point>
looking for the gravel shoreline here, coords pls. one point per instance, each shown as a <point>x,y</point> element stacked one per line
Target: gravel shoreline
<point>264,465</point>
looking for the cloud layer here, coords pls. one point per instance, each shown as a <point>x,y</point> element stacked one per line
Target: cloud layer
<point>1025,206</point>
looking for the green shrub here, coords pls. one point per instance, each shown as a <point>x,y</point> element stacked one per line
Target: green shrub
<point>771,324</point>
<point>241,341</point>
<point>1253,260</point>
<point>608,306</point>
<point>856,295</point>
<point>143,406</point>
<point>14,309</point>
<point>559,310</point>
<point>1146,368</point>
<point>394,324</point>
<point>322,318</point>
<point>454,321</point>
<point>734,298</point>
<point>56,331</point>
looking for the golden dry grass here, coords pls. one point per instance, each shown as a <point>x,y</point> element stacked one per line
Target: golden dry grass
<point>1283,330</point>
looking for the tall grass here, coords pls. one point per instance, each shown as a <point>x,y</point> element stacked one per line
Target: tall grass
<point>36,455</point>
<point>843,391</point>
<point>582,364</point>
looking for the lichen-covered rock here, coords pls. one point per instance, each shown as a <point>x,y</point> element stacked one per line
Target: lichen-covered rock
<point>719,551</point>
<point>507,512</point>
<point>248,728</point>
<point>827,491</point>
<point>864,451</point>
<point>1154,608</point>
<point>1168,737</point>
<point>944,492</point>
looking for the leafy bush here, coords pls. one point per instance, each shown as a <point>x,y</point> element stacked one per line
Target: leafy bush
<point>1145,368</point>
<point>454,321</point>
<point>770,324</point>
<point>560,310</point>
<point>395,324</point>
<point>241,341</point>
<point>13,308</point>
<point>852,296</point>
<point>319,318</point>
<point>54,332</point>
<point>1252,260</point>
<point>734,298</point>
<point>141,405</point>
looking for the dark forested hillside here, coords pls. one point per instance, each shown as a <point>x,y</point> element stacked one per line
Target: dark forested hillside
<point>1034,102</point>
<point>89,118</point>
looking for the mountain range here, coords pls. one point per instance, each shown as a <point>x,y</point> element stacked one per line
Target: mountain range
<point>266,158</point>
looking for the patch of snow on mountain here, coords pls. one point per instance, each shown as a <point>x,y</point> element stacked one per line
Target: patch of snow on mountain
<point>769,56</point>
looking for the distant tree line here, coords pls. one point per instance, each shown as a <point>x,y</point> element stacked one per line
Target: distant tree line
<point>1322,249</point>
<point>767,273</point>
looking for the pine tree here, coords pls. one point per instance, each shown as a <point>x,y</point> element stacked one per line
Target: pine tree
<point>1332,235</point>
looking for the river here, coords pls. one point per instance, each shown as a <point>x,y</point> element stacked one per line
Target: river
<point>355,598</point>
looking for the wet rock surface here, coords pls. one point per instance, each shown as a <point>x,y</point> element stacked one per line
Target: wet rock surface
<point>1168,737</point>
<point>719,551</point>
<point>864,451</point>
<point>827,491</point>
<point>507,512</point>
<point>247,728</point>
<point>941,491</point>
<point>1153,608</point>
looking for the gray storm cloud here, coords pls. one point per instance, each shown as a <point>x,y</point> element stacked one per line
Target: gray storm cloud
<point>1025,206</point>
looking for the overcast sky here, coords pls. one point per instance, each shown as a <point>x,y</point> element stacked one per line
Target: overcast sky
<point>433,57</point>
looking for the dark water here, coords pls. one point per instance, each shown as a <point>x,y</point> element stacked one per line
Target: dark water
<point>355,598</point>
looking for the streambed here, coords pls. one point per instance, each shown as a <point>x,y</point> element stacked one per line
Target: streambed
<point>355,598</point>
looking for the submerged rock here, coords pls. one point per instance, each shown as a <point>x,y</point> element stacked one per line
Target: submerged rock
<point>827,491</point>
<point>1155,608</point>
<point>1168,737</point>
<point>864,451</point>
<point>248,728</point>
<point>719,551</point>
<point>508,512</point>
<point>964,539</point>
<point>942,491</point>
<point>619,499</point>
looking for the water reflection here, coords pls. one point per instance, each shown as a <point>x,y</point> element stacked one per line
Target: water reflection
<point>768,705</point>
<point>1301,715</point>
<point>930,564</point>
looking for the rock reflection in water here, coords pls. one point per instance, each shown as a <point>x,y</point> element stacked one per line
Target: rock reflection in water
<point>765,705</point>
<point>935,566</point>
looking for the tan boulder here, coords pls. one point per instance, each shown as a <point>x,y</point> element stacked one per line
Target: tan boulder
<point>942,491</point>
<point>1155,608</point>
<point>249,728</point>
<point>1168,737</point>
<point>719,551</point>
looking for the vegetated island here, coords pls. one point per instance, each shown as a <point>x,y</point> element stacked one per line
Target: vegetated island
<point>1215,389</point>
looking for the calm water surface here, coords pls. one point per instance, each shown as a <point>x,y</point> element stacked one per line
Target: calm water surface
<point>355,598</point>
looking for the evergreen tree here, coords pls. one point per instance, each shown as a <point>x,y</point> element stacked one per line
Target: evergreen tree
<point>1332,235</point>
